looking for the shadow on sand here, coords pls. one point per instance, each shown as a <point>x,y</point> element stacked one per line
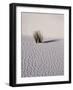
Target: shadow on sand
<point>51,41</point>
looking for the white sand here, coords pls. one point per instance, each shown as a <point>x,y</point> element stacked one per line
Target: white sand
<point>43,59</point>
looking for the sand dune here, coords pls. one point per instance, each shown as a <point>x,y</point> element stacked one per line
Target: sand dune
<point>42,59</point>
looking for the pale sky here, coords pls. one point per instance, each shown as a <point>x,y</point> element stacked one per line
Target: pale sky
<point>50,25</point>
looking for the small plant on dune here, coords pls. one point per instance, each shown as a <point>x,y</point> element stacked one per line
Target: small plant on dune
<point>38,37</point>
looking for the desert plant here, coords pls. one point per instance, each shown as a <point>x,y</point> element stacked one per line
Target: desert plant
<point>38,37</point>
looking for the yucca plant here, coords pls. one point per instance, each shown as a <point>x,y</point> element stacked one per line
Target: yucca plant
<point>38,37</point>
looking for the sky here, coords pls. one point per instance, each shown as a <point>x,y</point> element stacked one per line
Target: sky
<point>50,25</point>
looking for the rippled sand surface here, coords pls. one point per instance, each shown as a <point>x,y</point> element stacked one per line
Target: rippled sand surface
<point>42,59</point>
